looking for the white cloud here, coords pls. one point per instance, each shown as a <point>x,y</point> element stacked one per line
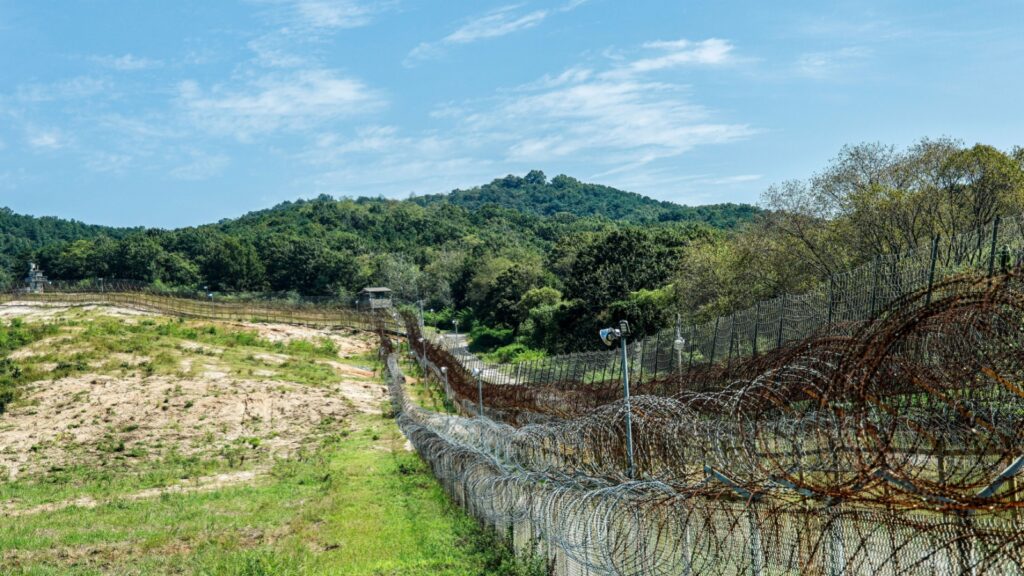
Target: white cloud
<point>621,116</point>
<point>275,102</point>
<point>830,64</point>
<point>494,24</point>
<point>275,51</point>
<point>71,89</point>
<point>335,13</point>
<point>312,15</point>
<point>675,54</point>
<point>127,62</point>
<point>106,162</point>
<point>624,119</point>
<point>201,166</point>
<point>45,138</point>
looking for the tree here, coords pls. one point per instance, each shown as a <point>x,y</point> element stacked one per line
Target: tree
<point>230,264</point>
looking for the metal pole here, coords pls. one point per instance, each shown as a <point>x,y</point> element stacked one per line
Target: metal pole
<point>836,545</point>
<point>714,341</point>
<point>782,315</point>
<point>757,324</point>
<point>992,253</point>
<point>831,302</point>
<point>931,270</point>
<point>630,471</point>
<point>874,287</point>
<point>693,334</point>
<point>480,393</point>
<point>679,349</point>
<point>447,392</point>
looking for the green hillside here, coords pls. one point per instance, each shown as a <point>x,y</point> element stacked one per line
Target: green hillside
<point>562,194</point>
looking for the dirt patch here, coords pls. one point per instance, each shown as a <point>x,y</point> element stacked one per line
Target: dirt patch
<point>349,343</point>
<point>45,311</point>
<point>86,418</point>
<point>272,359</point>
<point>197,485</point>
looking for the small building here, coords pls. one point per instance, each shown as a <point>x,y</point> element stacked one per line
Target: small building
<point>36,281</point>
<point>374,298</point>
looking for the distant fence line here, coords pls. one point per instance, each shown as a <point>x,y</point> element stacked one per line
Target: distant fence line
<point>585,524</point>
<point>139,296</point>
<point>837,306</point>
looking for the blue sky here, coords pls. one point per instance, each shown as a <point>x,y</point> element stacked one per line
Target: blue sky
<point>180,113</point>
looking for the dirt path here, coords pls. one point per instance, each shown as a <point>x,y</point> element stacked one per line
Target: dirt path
<point>198,485</point>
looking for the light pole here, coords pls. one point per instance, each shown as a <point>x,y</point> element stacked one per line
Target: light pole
<point>478,372</point>
<point>678,345</point>
<point>423,359</point>
<point>608,336</point>
<point>447,395</point>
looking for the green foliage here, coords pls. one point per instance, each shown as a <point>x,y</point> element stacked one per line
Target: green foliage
<point>533,194</point>
<point>517,352</point>
<point>871,200</point>
<point>475,255</point>
<point>14,336</point>
<point>485,338</point>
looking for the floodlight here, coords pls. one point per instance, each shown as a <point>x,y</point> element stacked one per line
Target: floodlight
<point>444,369</point>
<point>477,372</point>
<point>609,335</point>
<point>679,344</point>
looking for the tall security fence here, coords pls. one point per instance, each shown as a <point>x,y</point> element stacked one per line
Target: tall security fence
<point>552,501</point>
<point>143,297</point>
<point>838,307</point>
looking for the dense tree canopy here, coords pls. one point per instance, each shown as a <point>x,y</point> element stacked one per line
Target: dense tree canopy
<point>871,200</point>
<point>501,255</point>
<point>528,262</point>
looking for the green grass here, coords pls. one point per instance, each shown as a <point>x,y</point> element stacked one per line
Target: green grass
<point>96,344</point>
<point>361,505</point>
<point>353,502</point>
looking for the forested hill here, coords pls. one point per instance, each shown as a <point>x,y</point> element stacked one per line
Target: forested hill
<point>552,257</point>
<point>535,194</point>
<point>21,234</point>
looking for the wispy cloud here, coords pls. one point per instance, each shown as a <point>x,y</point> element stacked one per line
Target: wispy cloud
<point>127,62</point>
<point>275,102</point>
<point>831,64</point>
<point>625,113</point>
<point>71,89</point>
<point>45,138</point>
<point>200,166</point>
<point>494,24</point>
<point>323,14</point>
<point>664,55</point>
<point>618,117</point>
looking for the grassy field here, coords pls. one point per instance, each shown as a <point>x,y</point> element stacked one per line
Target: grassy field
<point>346,496</point>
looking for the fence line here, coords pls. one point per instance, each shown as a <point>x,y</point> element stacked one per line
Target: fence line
<point>142,297</point>
<point>838,306</point>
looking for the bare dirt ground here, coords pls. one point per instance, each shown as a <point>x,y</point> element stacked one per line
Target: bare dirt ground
<point>91,417</point>
<point>38,311</point>
<point>202,484</point>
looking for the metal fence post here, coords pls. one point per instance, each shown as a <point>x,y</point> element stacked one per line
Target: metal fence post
<point>757,324</point>
<point>836,546</point>
<point>732,339</point>
<point>992,253</point>
<point>714,341</point>
<point>931,270</point>
<point>831,301</point>
<point>782,315</point>
<point>693,333</point>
